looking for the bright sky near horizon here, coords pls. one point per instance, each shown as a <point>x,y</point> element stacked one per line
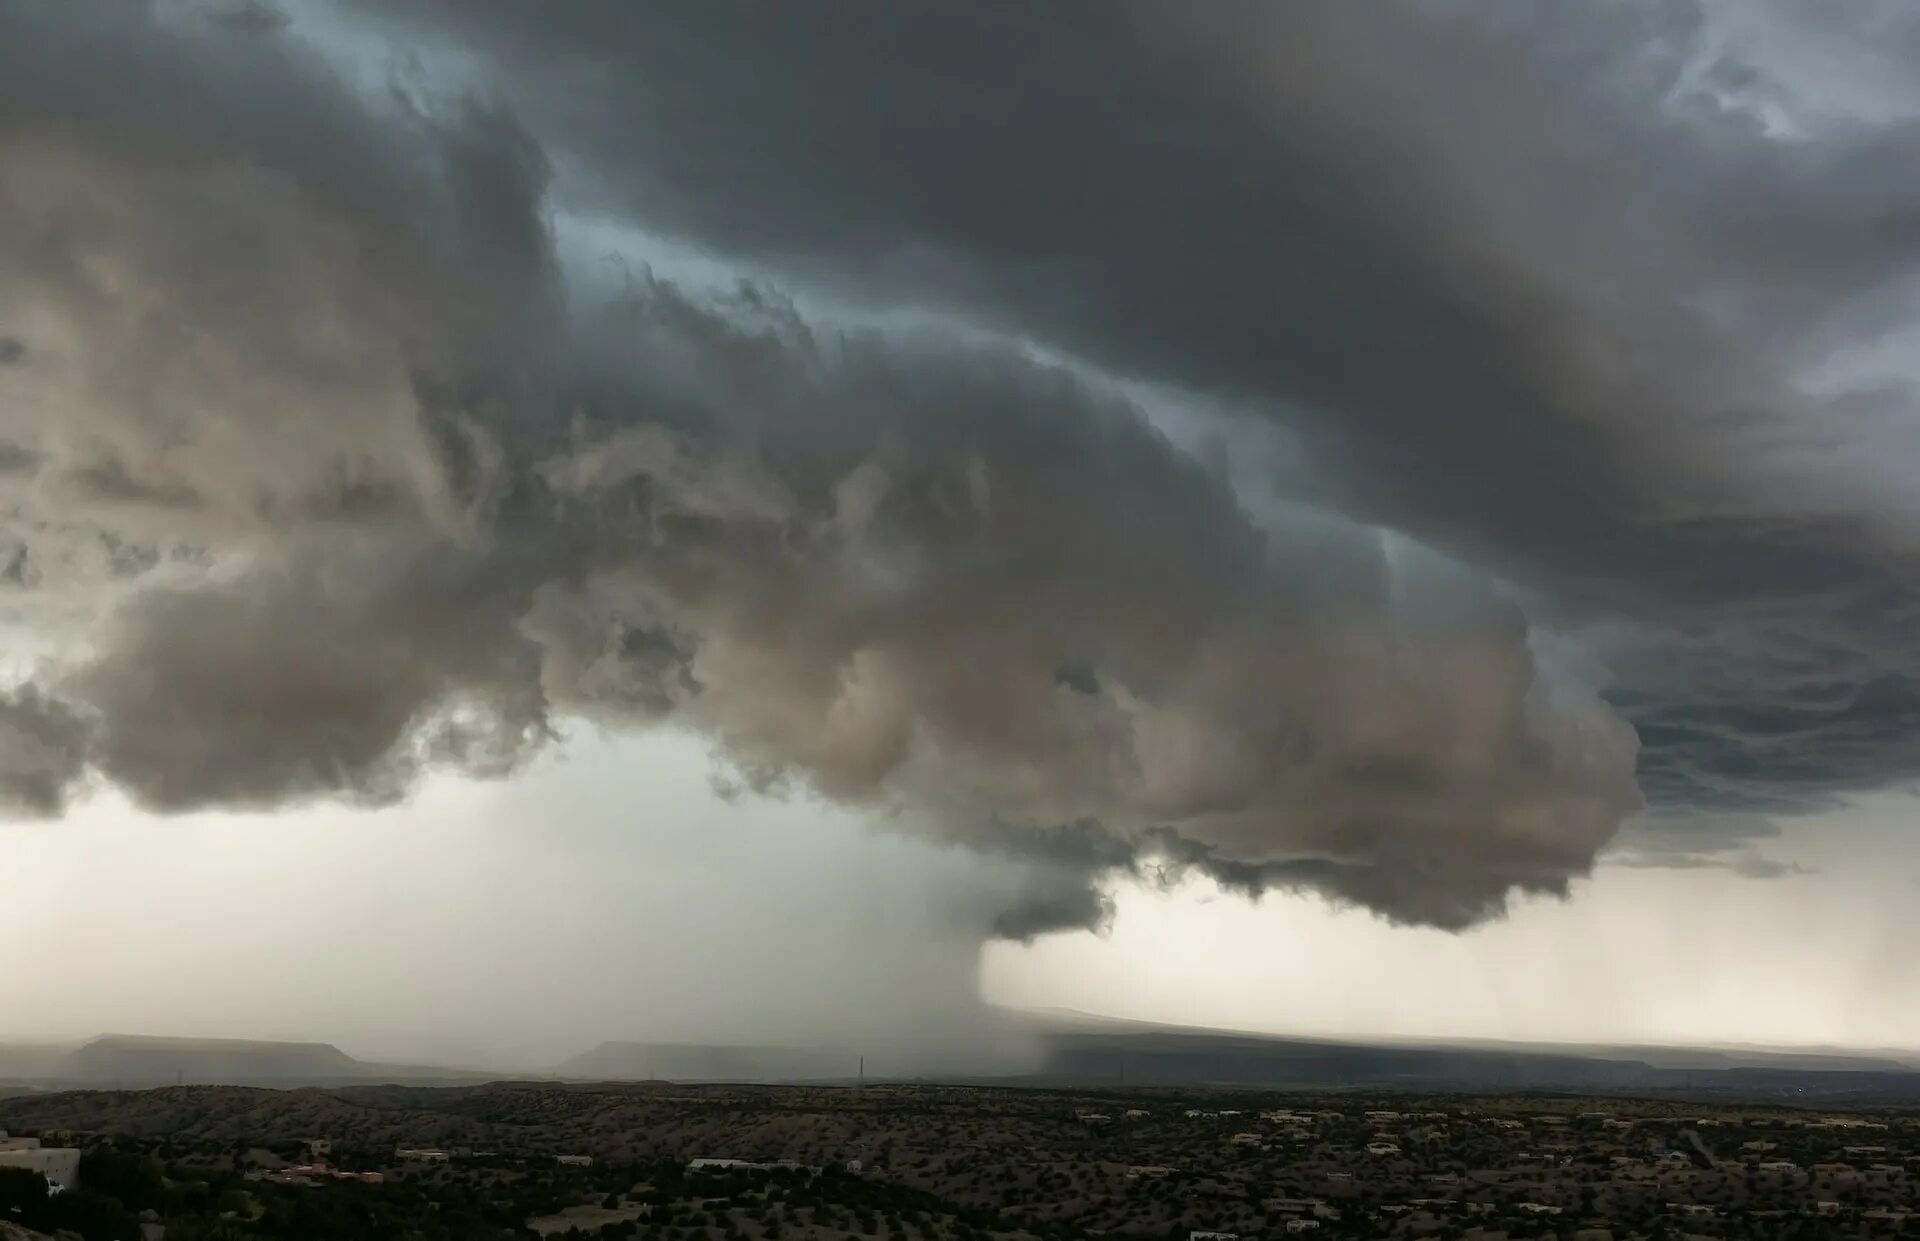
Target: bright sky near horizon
<point>610,894</point>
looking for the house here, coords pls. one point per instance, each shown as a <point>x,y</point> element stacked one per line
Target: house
<point>421,1154</point>
<point>1302,1225</point>
<point>1201,1234</point>
<point>1295,1206</point>
<point>574,1161</point>
<point>60,1165</point>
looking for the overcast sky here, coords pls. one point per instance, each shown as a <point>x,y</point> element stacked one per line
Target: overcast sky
<point>521,526</point>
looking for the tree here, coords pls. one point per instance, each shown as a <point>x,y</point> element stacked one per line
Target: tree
<point>23,1195</point>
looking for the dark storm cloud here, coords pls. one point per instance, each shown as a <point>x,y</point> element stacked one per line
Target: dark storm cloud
<point>1540,285</point>
<point>289,682</point>
<point>440,496</point>
<point>42,749</point>
<point>403,490</point>
<point>238,274</point>
<point>861,561</point>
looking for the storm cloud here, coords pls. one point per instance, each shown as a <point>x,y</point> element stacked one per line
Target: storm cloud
<point>1587,297</point>
<point>1548,338</point>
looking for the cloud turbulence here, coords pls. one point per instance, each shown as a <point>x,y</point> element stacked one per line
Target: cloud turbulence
<point>1549,338</point>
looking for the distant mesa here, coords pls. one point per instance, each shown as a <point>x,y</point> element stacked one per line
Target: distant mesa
<point>136,1060</point>
<point>132,1061</point>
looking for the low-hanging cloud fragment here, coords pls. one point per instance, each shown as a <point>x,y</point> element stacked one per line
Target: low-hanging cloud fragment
<point>43,747</point>
<point>1702,840</point>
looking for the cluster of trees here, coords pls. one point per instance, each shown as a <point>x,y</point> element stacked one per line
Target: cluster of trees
<point>203,1204</point>
<point>199,1198</point>
<point>117,1189</point>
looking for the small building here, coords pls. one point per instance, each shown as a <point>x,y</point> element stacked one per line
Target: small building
<point>574,1161</point>
<point>421,1154</point>
<point>60,1165</point>
<point>1296,1206</point>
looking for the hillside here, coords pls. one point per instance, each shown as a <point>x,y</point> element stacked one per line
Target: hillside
<point>696,1062</point>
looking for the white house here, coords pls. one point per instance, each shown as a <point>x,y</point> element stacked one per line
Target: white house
<point>59,1164</point>
<point>421,1154</point>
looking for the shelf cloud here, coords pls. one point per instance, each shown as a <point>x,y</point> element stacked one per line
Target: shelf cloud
<point>1557,349</point>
